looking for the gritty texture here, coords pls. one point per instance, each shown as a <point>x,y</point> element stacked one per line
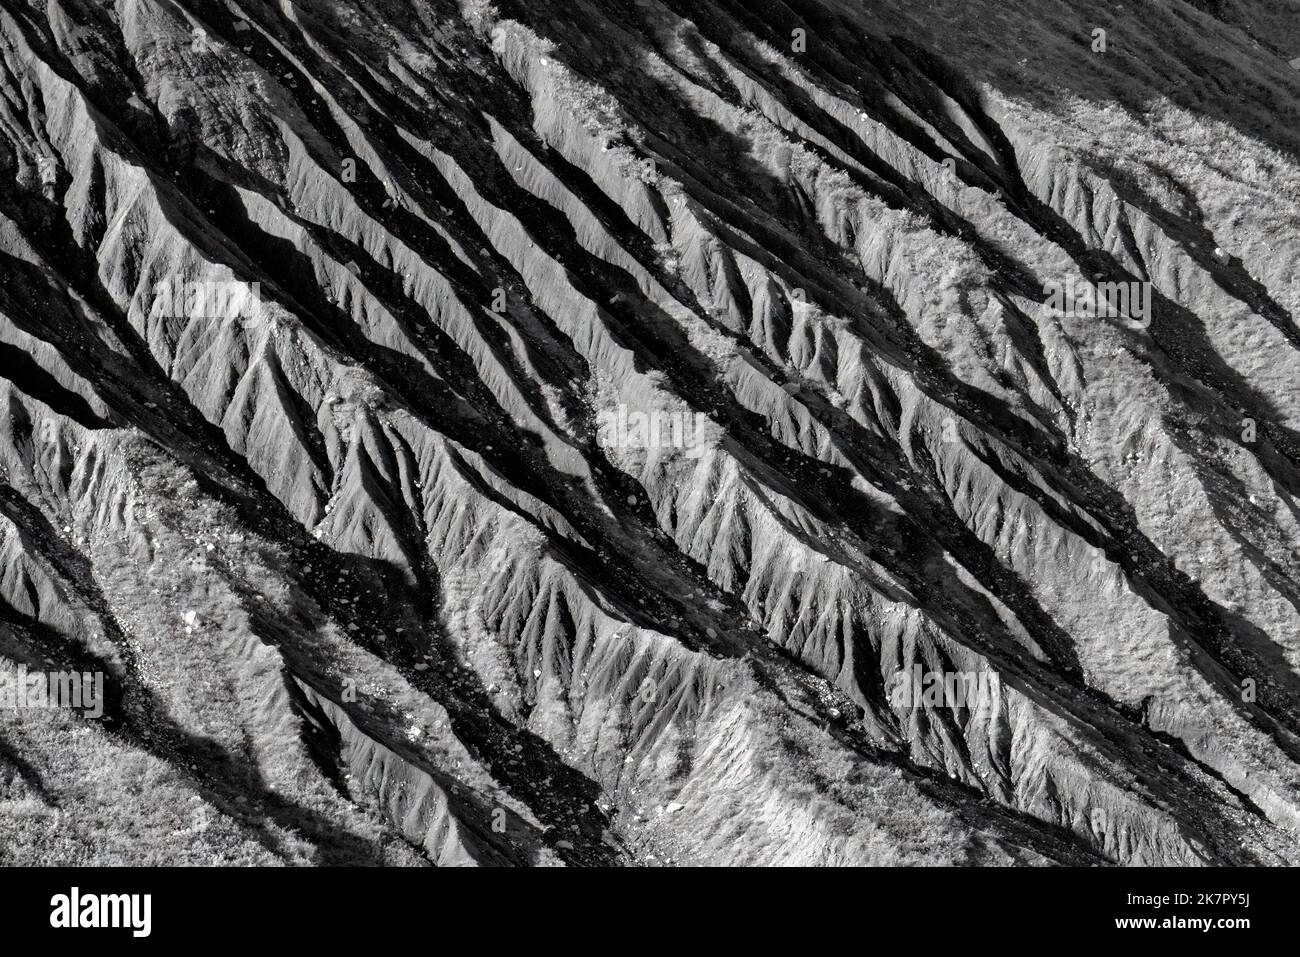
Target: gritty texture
<point>376,573</point>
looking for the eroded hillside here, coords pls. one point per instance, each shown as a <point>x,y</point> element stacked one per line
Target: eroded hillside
<point>580,433</point>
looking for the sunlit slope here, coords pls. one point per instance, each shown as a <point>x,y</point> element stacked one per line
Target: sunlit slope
<point>579,433</point>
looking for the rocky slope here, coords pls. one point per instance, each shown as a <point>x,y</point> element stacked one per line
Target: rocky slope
<point>333,339</point>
